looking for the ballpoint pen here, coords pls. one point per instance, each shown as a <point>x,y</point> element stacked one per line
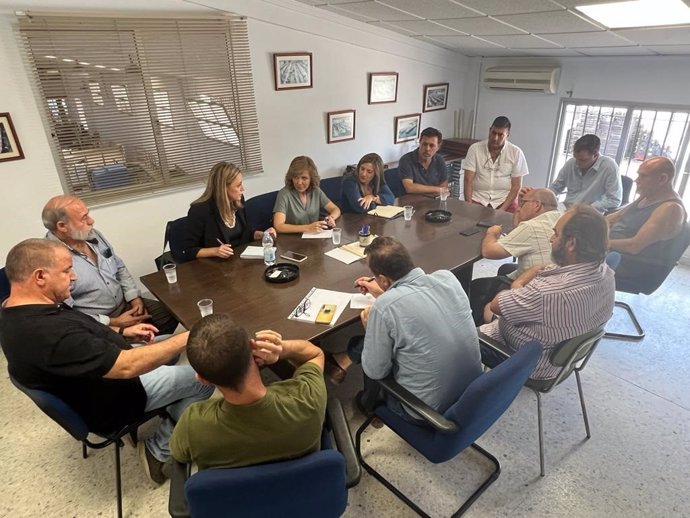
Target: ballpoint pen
<point>220,242</point>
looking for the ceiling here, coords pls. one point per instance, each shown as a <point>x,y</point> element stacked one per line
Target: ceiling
<point>511,27</point>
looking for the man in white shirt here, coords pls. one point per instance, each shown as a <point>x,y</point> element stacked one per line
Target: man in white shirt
<point>494,169</point>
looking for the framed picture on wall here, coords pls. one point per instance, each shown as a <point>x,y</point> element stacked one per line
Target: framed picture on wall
<point>407,127</point>
<point>383,87</point>
<point>341,126</point>
<point>292,70</point>
<point>435,97</point>
<point>10,148</point>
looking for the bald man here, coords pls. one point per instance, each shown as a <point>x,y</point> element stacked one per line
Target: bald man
<point>645,231</point>
<point>533,224</point>
<point>104,287</point>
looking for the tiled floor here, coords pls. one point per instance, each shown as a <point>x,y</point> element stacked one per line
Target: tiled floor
<point>637,462</point>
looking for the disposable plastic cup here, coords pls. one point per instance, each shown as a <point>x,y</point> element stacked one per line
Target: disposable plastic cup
<point>205,307</point>
<point>170,273</point>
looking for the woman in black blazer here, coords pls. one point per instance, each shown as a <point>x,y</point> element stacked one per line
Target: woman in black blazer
<point>217,221</point>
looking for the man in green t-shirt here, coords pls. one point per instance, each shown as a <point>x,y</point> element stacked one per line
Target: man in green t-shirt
<point>251,423</point>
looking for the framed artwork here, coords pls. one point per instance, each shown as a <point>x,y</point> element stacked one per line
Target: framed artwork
<point>292,70</point>
<point>341,126</point>
<point>383,87</point>
<point>435,97</point>
<point>407,127</point>
<point>10,148</point>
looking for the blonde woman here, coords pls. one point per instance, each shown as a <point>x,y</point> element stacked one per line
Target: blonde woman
<point>300,202</point>
<point>365,189</point>
<point>217,221</point>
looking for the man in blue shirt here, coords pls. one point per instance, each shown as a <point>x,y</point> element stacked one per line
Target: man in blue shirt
<point>423,171</point>
<point>419,330</point>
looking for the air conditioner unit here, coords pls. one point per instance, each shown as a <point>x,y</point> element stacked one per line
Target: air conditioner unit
<point>527,79</point>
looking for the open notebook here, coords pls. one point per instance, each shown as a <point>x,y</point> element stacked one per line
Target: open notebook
<point>386,211</point>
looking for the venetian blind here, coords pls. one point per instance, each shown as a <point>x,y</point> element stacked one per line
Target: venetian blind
<point>140,106</point>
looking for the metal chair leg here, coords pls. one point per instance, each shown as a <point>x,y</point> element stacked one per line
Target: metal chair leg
<point>625,336</point>
<point>541,434</point>
<point>84,452</point>
<point>582,402</point>
<point>118,479</point>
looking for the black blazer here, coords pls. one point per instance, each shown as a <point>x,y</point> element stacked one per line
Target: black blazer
<point>205,226</point>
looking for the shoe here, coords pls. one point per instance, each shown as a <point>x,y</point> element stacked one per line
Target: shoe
<point>333,371</point>
<point>376,422</point>
<point>152,466</point>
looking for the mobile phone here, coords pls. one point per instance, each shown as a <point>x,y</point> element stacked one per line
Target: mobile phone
<point>326,314</point>
<point>470,231</point>
<point>293,256</point>
<point>485,224</point>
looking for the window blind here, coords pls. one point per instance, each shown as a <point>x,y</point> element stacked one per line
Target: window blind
<point>139,106</point>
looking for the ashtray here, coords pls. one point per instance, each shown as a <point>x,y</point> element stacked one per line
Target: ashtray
<point>281,272</point>
<point>438,216</point>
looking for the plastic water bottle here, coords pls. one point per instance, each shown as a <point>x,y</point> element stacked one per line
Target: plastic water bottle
<point>269,250</point>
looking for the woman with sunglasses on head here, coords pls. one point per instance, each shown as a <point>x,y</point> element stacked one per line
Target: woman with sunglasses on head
<point>365,189</point>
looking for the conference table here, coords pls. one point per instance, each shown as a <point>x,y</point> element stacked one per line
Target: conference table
<point>238,287</point>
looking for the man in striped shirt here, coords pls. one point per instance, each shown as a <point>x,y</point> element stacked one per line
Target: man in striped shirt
<point>558,302</point>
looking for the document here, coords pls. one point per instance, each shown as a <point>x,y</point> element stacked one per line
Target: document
<point>309,307</point>
<point>323,234</point>
<point>253,252</point>
<point>354,248</point>
<point>386,211</point>
<point>343,255</point>
<point>359,301</point>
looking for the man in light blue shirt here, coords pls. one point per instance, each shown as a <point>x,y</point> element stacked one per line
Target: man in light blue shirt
<point>589,178</point>
<point>419,330</point>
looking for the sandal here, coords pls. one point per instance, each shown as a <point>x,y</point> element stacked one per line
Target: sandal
<point>333,371</point>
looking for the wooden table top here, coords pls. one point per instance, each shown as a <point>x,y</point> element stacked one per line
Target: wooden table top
<point>238,288</point>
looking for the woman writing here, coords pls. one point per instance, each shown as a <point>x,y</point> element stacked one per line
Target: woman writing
<point>217,220</point>
<point>300,202</point>
<point>365,189</point>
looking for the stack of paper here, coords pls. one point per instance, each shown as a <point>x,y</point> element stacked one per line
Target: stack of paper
<point>386,211</point>
<point>322,234</point>
<point>309,307</point>
<point>252,252</point>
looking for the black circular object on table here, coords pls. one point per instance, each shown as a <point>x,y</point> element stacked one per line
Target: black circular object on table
<point>438,216</point>
<point>281,272</point>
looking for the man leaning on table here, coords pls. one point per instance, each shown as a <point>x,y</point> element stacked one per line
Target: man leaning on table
<point>419,330</point>
<point>423,171</point>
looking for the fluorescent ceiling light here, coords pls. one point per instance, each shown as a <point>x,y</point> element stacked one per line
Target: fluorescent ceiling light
<point>638,13</point>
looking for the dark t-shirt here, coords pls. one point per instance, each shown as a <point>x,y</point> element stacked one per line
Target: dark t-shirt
<point>65,352</point>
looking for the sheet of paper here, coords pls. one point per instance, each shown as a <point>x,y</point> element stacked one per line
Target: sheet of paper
<point>314,300</point>
<point>386,211</point>
<point>252,252</point>
<point>324,234</point>
<point>354,248</point>
<point>343,255</point>
<point>359,301</point>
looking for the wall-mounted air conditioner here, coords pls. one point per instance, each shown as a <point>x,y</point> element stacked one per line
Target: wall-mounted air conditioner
<point>528,79</point>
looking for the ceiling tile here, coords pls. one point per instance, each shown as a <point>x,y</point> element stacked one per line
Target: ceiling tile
<point>334,9</point>
<point>548,22</point>
<point>389,26</point>
<point>493,53</point>
<point>422,27</point>
<point>588,39</point>
<point>464,41</point>
<point>658,35</point>
<point>430,9</point>
<point>311,2</point>
<point>492,7</point>
<point>617,51</point>
<point>376,11</point>
<point>552,53</point>
<point>521,41</point>
<point>479,26</point>
<point>670,50</point>
<point>573,3</point>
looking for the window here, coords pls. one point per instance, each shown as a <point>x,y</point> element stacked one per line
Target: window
<point>118,96</point>
<point>630,133</point>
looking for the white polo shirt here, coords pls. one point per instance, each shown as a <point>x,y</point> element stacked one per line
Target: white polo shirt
<point>492,178</point>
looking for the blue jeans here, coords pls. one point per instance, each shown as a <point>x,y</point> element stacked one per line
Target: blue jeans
<point>174,387</point>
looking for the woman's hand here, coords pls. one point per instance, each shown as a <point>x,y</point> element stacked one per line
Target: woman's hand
<point>224,251</point>
<point>366,201</point>
<point>317,226</point>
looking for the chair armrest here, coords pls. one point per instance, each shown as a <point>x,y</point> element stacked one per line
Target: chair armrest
<point>492,344</point>
<point>177,503</point>
<point>430,415</point>
<point>343,441</point>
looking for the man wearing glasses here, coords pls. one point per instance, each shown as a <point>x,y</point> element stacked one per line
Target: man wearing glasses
<point>529,241</point>
<point>494,169</point>
<point>589,177</point>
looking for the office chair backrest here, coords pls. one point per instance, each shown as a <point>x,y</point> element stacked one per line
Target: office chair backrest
<point>260,210</point>
<point>174,234</point>
<point>613,259</point>
<point>392,177</point>
<point>313,485</point>
<point>4,285</point>
<point>56,409</point>
<point>627,187</point>
<point>333,188</point>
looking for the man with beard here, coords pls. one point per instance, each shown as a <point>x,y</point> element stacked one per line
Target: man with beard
<point>558,302</point>
<point>494,169</point>
<point>104,287</point>
<point>423,171</point>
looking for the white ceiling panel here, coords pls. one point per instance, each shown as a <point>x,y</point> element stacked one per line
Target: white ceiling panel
<point>521,41</point>
<point>430,9</point>
<point>480,26</point>
<point>354,16</point>
<point>671,50</point>
<point>588,39</point>
<point>492,7</point>
<point>553,53</point>
<point>376,11</point>
<point>574,3</point>
<point>465,41</point>
<point>658,36</point>
<point>548,22</point>
<point>617,51</point>
<point>422,27</point>
<point>389,26</point>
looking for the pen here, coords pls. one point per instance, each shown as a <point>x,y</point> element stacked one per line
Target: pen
<point>220,242</point>
<point>369,279</point>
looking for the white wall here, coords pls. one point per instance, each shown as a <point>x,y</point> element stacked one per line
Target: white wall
<point>291,123</point>
<point>661,80</point>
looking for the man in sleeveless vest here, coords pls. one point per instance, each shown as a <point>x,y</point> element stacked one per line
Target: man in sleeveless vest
<point>645,231</point>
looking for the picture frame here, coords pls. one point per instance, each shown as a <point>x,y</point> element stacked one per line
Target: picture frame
<point>407,127</point>
<point>435,97</point>
<point>10,148</point>
<point>341,126</point>
<point>383,87</point>
<point>292,70</point>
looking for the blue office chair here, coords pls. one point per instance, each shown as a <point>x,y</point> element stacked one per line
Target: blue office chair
<point>62,414</point>
<point>259,210</point>
<point>482,403</point>
<point>313,485</point>
<point>392,177</point>
<point>4,285</point>
<point>333,188</point>
<point>174,233</point>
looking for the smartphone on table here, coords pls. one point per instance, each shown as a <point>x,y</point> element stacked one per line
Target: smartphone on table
<point>293,256</point>
<point>326,313</point>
